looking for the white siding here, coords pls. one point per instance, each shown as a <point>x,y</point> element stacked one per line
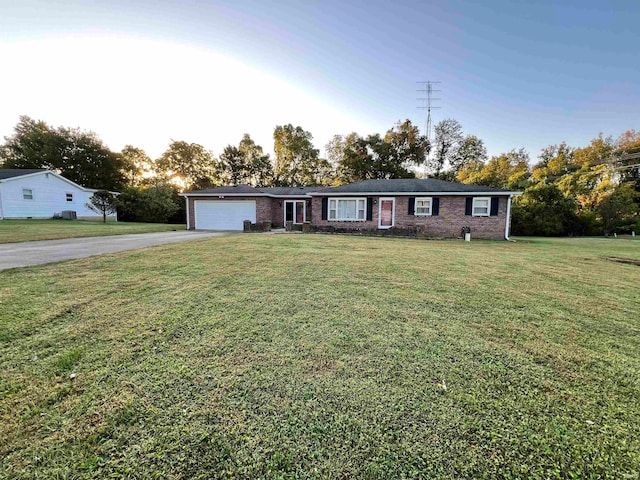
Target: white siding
<point>49,197</point>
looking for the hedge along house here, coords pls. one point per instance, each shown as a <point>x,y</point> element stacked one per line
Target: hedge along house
<point>425,207</point>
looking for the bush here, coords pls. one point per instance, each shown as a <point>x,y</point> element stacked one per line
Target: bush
<point>153,204</point>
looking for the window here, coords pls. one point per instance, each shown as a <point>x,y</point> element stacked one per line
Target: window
<point>69,197</point>
<point>345,209</point>
<point>27,194</point>
<point>481,206</point>
<point>423,206</point>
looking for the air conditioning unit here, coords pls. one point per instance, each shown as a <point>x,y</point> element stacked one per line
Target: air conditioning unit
<point>69,215</point>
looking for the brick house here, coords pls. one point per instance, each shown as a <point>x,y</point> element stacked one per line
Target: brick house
<point>423,207</point>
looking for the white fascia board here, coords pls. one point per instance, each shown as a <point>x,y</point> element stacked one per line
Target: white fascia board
<point>269,195</point>
<point>413,194</point>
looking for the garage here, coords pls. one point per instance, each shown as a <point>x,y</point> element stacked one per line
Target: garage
<point>223,214</point>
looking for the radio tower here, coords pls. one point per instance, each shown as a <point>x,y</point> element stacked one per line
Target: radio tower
<point>427,103</point>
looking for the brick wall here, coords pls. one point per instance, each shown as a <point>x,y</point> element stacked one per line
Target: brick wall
<point>263,207</point>
<point>447,224</point>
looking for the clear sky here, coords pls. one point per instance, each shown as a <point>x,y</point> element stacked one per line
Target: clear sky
<point>515,73</point>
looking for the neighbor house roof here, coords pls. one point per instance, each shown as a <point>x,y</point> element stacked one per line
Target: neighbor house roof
<point>18,172</point>
<point>400,186</point>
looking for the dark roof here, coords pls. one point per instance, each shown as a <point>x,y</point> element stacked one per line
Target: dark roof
<point>18,172</point>
<point>411,185</point>
<point>248,190</point>
<point>244,189</point>
<point>289,191</point>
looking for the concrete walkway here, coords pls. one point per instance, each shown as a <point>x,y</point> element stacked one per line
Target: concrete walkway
<point>25,254</point>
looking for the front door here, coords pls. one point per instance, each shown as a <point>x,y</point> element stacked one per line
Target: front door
<point>294,211</point>
<point>386,213</point>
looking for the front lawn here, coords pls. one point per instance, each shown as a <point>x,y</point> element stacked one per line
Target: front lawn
<point>34,229</point>
<point>316,356</point>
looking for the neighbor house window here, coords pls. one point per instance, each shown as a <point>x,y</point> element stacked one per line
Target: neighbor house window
<point>423,206</point>
<point>27,194</point>
<point>69,197</point>
<point>344,209</point>
<point>481,206</point>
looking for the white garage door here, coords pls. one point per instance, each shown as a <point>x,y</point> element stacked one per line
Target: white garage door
<point>223,214</point>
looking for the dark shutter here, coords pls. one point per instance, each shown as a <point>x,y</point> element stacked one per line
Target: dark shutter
<point>495,201</point>
<point>325,207</point>
<point>468,208</point>
<point>369,209</point>
<point>412,206</point>
<point>435,206</point>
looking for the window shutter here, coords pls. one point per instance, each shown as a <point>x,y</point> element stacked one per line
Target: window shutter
<point>369,209</point>
<point>495,201</point>
<point>412,206</point>
<point>468,209</point>
<point>325,208</point>
<point>435,206</point>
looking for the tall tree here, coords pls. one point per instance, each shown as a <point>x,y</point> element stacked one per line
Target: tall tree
<point>618,208</point>
<point>470,151</point>
<point>188,165</point>
<point>77,155</point>
<point>447,141</point>
<point>391,156</point>
<point>297,160</point>
<point>260,170</point>
<point>137,165</point>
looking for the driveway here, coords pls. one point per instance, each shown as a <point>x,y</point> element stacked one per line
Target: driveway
<point>24,254</point>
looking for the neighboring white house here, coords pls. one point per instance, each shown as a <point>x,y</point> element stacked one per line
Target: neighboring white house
<point>29,193</point>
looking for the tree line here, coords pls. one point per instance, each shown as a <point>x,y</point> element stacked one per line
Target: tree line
<point>569,191</point>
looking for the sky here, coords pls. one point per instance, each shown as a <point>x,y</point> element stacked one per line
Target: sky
<point>517,74</point>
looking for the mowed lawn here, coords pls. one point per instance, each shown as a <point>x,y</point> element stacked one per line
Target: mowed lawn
<point>35,229</point>
<point>317,356</point>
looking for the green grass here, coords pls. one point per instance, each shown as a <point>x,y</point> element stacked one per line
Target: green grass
<point>27,230</point>
<point>310,356</point>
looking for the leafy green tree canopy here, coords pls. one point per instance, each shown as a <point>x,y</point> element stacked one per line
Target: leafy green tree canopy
<point>188,165</point>
<point>104,203</point>
<point>75,154</point>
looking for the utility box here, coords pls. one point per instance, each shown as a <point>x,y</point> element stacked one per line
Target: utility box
<point>69,215</point>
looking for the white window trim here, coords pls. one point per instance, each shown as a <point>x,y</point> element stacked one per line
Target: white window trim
<point>423,199</point>
<point>304,211</point>
<point>337,209</point>
<point>473,207</point>
<point>393,212</point>
<point>32,195</point>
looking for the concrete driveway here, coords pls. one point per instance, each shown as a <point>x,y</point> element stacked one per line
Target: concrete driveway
<point>24,254</point>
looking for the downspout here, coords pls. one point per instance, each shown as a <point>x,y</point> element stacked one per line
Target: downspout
<point>187,210</point>
<point>508,219</point>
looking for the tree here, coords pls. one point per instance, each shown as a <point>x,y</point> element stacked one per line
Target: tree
<point>297,160</point>
<point>543,210</point>
<point>391,156</point>
<point>187,165</point>
<point>153,203</point>
<point>104,203</point>
<point>448,139</point>
<point>508,170</point>
<point>470,152</point>
<point>259,165</point>
<point>232,167</point>
<point>618,208</point>
<point>137,166</point>
<point>75,154</point>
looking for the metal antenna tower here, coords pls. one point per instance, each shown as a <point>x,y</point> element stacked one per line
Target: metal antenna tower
<point>428,90</point>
